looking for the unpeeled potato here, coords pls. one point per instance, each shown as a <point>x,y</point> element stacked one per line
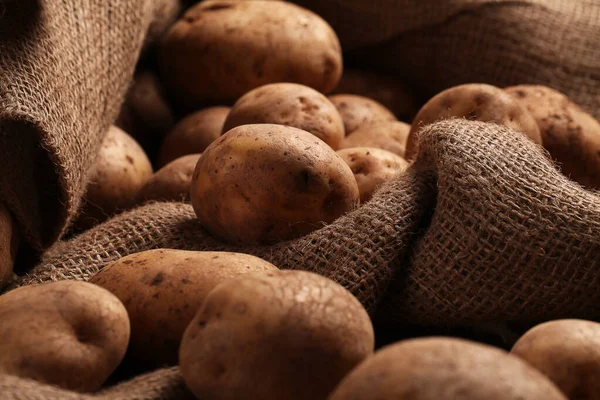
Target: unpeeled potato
<point>9,244</point>
<point>172,182</point>
<point>386,135</point>
<point>357,111</point>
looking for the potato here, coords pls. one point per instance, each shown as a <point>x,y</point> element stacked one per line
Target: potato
<point>357,111</point>
<point>121,170</point>
<point>267,183</point>
<point>389,91</point>
<point>69,334</point>
<point>221,49</point>
<point>567,352</point>
<point>172,182</point>
<point>477,102</point>
<point>444,369</point>
<point>390,136</point>
<point>193,134</point>
<point>281,335</point>
<point>162,291</point>
<point>571,135</point>
<point>292,105</point>
<point>372,167</point>
<point>9,245</point>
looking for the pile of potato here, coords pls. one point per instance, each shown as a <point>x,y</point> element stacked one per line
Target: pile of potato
<point>253,138</point>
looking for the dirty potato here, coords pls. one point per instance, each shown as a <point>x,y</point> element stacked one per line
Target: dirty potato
<point>172,182</point>
<point>357,111</point>
<point>387,135</point>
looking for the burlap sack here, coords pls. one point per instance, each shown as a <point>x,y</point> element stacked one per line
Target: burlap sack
<point>436,44</point>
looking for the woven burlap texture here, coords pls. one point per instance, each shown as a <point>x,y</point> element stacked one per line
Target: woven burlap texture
<point>438,44</point>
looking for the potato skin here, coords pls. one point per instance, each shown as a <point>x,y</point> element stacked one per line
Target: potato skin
<point>477,102</point>
<point>163,289</point>
<point>221,49</point>
<point>172,182</point>
<point>283,335</point>
<point>390,136</point>
<point>571,136</point>
<point>267,183</point>
<point>69,334</point>
<point>193,134</point>
<point>9,245</point>
<point>444,369</point>
<point>357,111</point>
<point>289,104</point>
<point>372,167</point>
<point>568,353</point>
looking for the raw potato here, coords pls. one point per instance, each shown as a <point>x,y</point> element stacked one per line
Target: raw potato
<point>289,104</point>
<point>444,369</point>
<point>571,136</point>
<point>284,335</point>
<point>172,182</point>
<point>162,291</point>
<point>121,170</point>
<point>372,167</point>
<point>567,352</point>
<point>221,49</point>
<point>9,245</point>
<point>69,334</point>
<point>357,111</point>
<point>268,183</point>
<point>390,136</point>
<point>387,90</point>
<point>474,101</point>
<point>193,134</point>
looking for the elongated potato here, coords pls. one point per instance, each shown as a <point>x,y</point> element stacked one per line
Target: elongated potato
<point>390,136</point>
<point>571,136</point>
<point>358,111</point>
<point>282,335</point>
<point>267,183</point>
<point>69,334</point>
<point>9,244</point>
<point>162,291</point>
<point>172,182</point>
<point>289,104</point>
<point>444,369</point>
<point>221,49</point>
<point>567,352</point>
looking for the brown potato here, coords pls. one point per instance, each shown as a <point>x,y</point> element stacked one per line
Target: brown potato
<point>444,369</point>
<point>372,167</point>
<point>9,245</point>
<point>69,334</point>
<point>390,136</point>
<point>193,134</point>
<point>567,352</point>
<point>571,136</point>
<point>172,182</point>
<point>268,183</point>
<point>162,291</point>
<point>221,49</point>
<point>289,104</point>
<point>474,101</point>
<point>357,111</point>
<point>121,170</point>
<point>387,90</point>
<point>282,335</point>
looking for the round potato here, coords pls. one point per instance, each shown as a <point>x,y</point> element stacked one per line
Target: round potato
<point>567,352</point>
<point>69,334</point>
<point>372,167</point>
<point>571,136</point>
<point>282,335</point>
<point>390,136</point>
<point>121,170</point>
<point>193,134</point>
<point>172,182</point>
<point>268,183</point>
<point>9,245</point>
<point>289,104</point>
<point>162,291</point>
<point>357,111</point>
<point>444,369</point>
<point>474,101</point>
<point>389,91</point>
<point>221,49</point>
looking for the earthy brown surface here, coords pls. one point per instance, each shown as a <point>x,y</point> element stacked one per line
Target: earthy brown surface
<point>9,245</point>
<point>357,111</point>
<point>390,136</point>
<point>172,182</point>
